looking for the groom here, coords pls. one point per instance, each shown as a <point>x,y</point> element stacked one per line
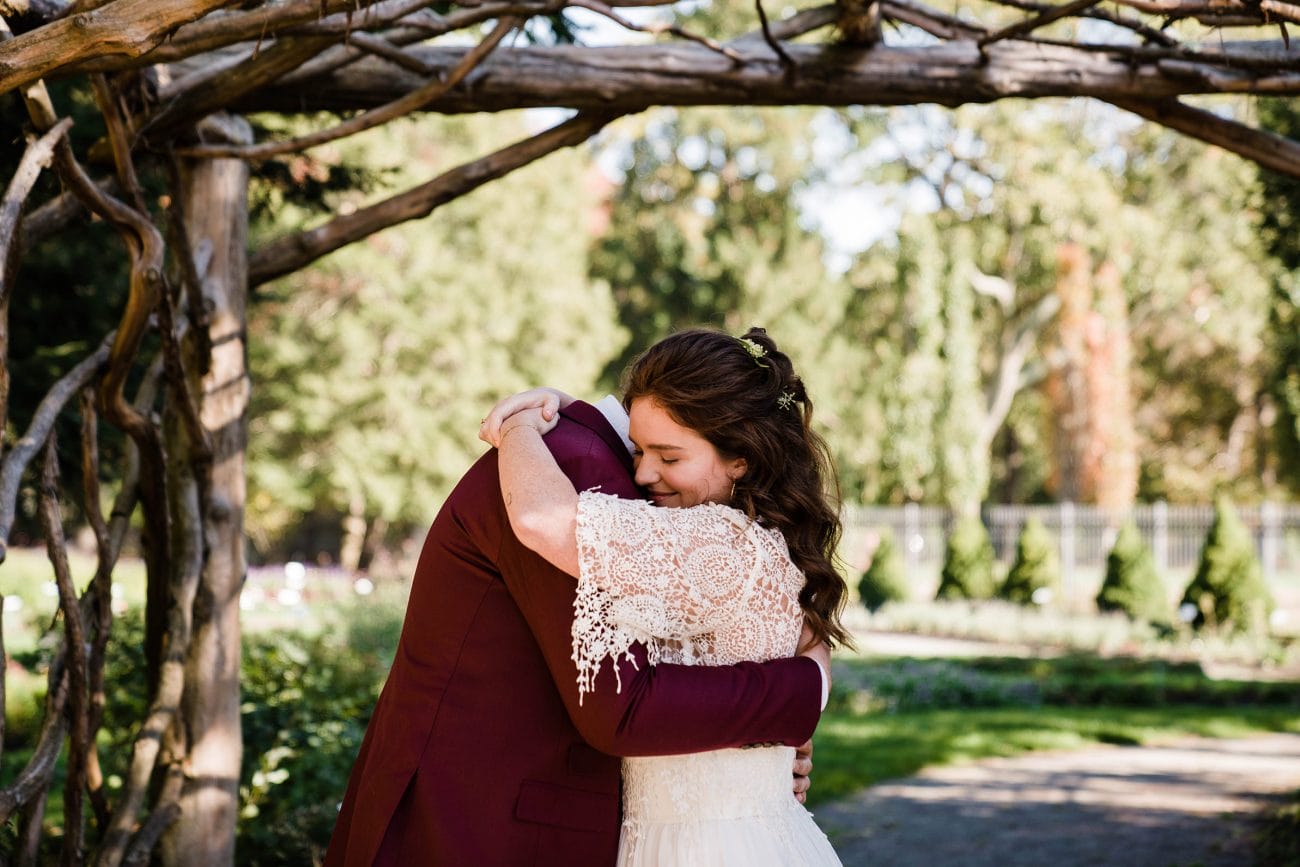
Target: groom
<point>479,751</point>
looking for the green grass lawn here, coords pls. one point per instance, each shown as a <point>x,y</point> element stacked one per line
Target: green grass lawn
<point>890,718</point>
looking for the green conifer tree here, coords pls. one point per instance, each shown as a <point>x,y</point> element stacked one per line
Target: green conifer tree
<point>885,580</point>
<point>968,563</point>
<point>1132,584</point>
<point>1035,576</point>
<point>1228,591</point>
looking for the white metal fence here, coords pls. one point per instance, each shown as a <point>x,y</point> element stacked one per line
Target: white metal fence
<point>1085,534</point>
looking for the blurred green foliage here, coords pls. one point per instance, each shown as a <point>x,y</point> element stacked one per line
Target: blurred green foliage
<point>307,697</point>
<point>1280,221</point>
<point>899,685</point>
<point>375,365</point>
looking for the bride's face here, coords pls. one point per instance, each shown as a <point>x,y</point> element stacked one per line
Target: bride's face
<point>676,466</point>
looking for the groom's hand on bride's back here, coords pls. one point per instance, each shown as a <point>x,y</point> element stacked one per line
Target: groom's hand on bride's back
<point>820,653</point>
<point>803,771</point>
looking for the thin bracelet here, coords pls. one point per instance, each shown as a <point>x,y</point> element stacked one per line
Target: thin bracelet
<point>509,431</point>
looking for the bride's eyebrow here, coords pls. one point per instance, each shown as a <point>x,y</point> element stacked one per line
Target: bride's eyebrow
<point>659,447</point>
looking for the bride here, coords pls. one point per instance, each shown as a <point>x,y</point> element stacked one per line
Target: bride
<point>728,560</point>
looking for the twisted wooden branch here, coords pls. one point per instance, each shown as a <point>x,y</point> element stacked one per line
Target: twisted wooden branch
<point>34,779</point>
<point>788,28</point>
<point>1065,10</point>
<point>215,88</point>
<point>36,157</point>
<point>1148,33</point>
<point>770,38</point>
<point>404,105</point>
<point>76,662</point>
<point>25,448</point>
<point>116,123</point>
<point>41,223</point>
<point>289,254</point>
<point>101,597</point>
<point>655,29</point>
<point>1268,149</point>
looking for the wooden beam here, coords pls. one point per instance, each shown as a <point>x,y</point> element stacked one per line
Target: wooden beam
<point>629,78</point>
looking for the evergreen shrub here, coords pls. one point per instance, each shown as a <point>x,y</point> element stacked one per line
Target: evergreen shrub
<point>1132,584</point>
<point>885,580</point>
<point>1228,591</point>
<point>968,564</point>
<point>1035,576</point>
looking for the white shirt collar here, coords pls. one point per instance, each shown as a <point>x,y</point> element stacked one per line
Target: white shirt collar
<point>612,409</point>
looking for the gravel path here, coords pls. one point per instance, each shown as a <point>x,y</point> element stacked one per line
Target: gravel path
<point>1186,802</point>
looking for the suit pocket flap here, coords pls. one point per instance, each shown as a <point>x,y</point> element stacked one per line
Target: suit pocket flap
<point>549,804</point>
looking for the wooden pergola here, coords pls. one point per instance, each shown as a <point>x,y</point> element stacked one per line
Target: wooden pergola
<point>172,79</point>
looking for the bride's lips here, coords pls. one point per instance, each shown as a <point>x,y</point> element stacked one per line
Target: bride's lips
<point>658,497</point>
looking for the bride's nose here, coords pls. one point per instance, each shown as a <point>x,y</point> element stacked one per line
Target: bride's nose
<point>643,473</point>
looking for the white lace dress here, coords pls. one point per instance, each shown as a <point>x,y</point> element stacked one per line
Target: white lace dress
<point>697,586</point>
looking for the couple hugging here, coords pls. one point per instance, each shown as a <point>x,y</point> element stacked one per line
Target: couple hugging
<point>653,580</point>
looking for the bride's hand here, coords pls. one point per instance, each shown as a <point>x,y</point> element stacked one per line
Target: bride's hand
<point>549,400</point>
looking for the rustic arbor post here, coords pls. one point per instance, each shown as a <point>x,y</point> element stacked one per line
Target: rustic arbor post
<point>214,208</point>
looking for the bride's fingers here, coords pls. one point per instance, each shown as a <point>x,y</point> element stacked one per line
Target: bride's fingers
<point>538,398</point>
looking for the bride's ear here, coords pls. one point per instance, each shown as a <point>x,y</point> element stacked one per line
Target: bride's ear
<point>737,468</point>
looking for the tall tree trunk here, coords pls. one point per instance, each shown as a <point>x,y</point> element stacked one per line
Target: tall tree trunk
<point>215,212</point>
<point>1114,434</point>
<point>1067,388</point>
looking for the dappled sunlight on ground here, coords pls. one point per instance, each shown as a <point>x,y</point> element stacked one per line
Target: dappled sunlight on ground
<point>1179,803</point>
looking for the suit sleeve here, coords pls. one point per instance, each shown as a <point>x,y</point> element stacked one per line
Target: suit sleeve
<point>664,709</point>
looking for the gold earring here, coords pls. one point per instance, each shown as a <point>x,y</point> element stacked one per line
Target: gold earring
<point>733,490</point>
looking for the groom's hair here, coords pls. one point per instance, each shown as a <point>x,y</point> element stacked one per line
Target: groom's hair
<point>742,395</point>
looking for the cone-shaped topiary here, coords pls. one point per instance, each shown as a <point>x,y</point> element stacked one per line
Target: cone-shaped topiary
<point>1035,577</point>
<point>1132,583</point>
<point>885,579</point>
<point>968,563</point>
<point>1228,590</point>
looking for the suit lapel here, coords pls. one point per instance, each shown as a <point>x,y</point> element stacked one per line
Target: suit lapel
<point>591,418</point>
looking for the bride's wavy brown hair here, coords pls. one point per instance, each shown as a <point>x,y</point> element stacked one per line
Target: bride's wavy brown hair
<point>743,396</point>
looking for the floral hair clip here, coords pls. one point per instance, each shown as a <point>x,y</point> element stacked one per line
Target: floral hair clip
<point>755,351</point>
<point>786,400</point>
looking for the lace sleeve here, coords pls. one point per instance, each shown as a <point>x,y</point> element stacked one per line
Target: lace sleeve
<point>654,575</point>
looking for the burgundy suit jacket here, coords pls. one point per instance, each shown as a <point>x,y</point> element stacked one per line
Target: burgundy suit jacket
<point>478,752</point>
